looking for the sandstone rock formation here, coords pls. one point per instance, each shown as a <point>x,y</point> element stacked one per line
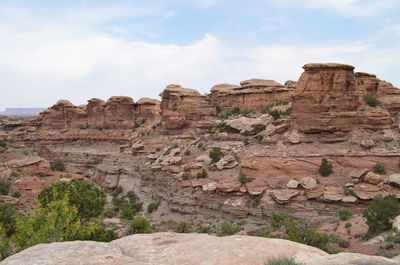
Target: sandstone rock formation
<point>328,98</point>
<point>172,248</point>
<point>252,94</point>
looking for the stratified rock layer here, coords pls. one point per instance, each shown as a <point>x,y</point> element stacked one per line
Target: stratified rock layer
<point>329,98</point>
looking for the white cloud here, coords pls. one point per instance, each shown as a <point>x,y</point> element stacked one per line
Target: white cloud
<point>42,60</point>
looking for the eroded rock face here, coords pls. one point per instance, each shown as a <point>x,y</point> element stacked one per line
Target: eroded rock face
<point>252,94</point>
<point>183,107</point>
<point>118,112</point>
<point>329,99</point>
<point>184,249</point>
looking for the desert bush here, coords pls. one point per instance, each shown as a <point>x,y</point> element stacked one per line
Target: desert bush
<point>14,174</point>
<point>243,179</point>
<point>58,165</point>
<point>379,169</point>
<point>129,206</point>
<point>4,187</point>
<point>8,216</point>
<point>345,214</point>
<point>152,207</point>
<point>216,154</point>
<point>187,153</point>
<point>325,169</point>
<point>371,100</point>
<point>140,225</point>
<point>185,175</point>
<point>344,244</point>
<point>380,213</point>
<point>85,196</point>
<point>202,174</point>
<point>227,228</point>
<point>282,261</point>
<point>3,143</point>
<point>183,227</point>
<point>118,190</point>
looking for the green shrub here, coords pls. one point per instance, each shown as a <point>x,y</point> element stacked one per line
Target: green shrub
<point>347,225</point>
<point>185,175</point>
<point>3,143</point>
<point>4,187</point>
<point>344,244</point>
<point>379,214</point>
<point>152,207</point>
<point>281,261</point>
<point>183,227</point>
<point>85,196</point>
<point>325,169</point>
<point>57,165</point>
<point>16,194</point>
<point>202,174</point>
<point>118,190</point>
<point>216,154</point>
<point>243,179</point>
<point>227,229</point>
<point>15,174</point>
<point>345,214</point>
<point>187,153</point>
<point>140,225</point>
<point>8,218</point>
<point>128,205</point>
<point>371,100</point>
<point>246,141</point>
<point>203,229</point>
<point>212,168</point>
<point>379,169</point>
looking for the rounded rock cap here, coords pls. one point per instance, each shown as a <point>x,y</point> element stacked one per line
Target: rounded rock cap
<point>312,66</point>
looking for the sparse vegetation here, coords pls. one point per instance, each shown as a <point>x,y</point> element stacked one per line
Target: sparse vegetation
<point>379,169</point>
<point>152,207</point>
<point>140,225</point>
<point>380,213</point>
<point>4,187</point>
<point>325,169</point>
<point>371,100</point>
<point>185,175</point>
<point>187,153</point>
<point>58,165</point>
<point>227,228</point>
<point>216,154</point>
<point>183,227</point>
<point>118,190</point>
<point>345,214</point>
<point>243,179</point>
<point>202,174</point>
<point>3,143</point>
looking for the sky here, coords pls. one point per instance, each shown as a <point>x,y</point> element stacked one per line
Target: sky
<point>78,50</point>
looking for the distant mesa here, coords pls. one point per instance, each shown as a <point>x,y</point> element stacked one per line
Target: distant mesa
<point>22,111</point>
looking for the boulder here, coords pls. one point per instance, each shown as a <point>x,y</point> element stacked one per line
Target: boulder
<point>284,195</point>
<point>357,175</point>
<point>367,144</point>
<point>226,162</point>
<point>393,180</point>
<point>396,223</point>
<point>308,183</point>
<point>293,184</point>
<point>373,178</point>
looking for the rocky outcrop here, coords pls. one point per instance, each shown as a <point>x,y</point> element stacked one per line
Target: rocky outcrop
<point>172,248</point>
<point>120,113</point>
<point>252,94</point>
<point>184,107</point>
<point>329,99</point>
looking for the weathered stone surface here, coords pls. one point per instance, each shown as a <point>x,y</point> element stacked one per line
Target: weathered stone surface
<point>293,184</point>
<point>333,193</point>
<point>284,195</point>
<point>396,223</point>
<point>252,94</point>
<point>357,175</point>
<point>68,253</point>
<point>328,99</point>
<point>373,178</point>
<point>249,125</point>
<point>394,180</point>
<point>350,259</point>
<point>172,248</point>
<point>308,183</point>
<point>228,161</point>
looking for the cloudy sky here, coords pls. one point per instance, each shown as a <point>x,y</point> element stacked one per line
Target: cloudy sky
<point>78,50</point>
